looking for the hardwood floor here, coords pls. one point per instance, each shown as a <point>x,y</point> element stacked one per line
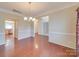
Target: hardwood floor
<point>34,47</point>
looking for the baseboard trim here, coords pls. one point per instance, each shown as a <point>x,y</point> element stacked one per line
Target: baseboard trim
<point>42,35</point>
<point>26,38</point>
<point>2,44</point>
<point>61,45</point>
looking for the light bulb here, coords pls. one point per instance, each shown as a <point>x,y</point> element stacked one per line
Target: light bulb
<point>30,17</point>
<point>25,18</point>
<point>33,19</point>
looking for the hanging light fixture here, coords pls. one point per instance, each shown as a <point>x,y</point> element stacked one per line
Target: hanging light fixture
<point>30,18</point>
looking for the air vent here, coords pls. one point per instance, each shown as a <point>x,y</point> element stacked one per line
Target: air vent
<point>17,11</point>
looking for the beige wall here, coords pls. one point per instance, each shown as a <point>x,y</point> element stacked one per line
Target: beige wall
<point>62,27</point>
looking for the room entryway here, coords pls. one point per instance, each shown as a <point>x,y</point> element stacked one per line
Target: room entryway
<point>9,28</point>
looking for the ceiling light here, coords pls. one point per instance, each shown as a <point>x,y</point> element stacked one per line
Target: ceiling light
<point>29,18</point>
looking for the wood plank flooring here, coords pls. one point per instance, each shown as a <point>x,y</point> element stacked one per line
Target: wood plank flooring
<point>34,47</point>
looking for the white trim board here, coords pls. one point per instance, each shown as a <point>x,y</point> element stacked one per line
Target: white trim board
<point>62,33</point>
<point>2,39</point>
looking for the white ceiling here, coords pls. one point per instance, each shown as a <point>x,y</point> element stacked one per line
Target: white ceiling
<point>37,8</point>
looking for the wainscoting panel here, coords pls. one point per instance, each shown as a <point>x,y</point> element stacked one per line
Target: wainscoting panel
<point>64,39</point>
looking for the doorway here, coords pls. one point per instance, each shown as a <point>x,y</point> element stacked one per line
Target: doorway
<point>45,28</point>
<point>44,25</point>
<point>9,29</point>
<point>9,36</point>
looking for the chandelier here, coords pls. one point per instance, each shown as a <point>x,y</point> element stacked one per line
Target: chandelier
<point>30,18</point>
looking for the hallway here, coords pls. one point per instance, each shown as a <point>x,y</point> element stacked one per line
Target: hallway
<point>35,47</point>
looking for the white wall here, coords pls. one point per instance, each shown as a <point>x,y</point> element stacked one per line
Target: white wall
<point>36,26</point>
<point>24,29</point>
<point>32,29</point>
<point>2,38</point>
<point>62,27</point>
